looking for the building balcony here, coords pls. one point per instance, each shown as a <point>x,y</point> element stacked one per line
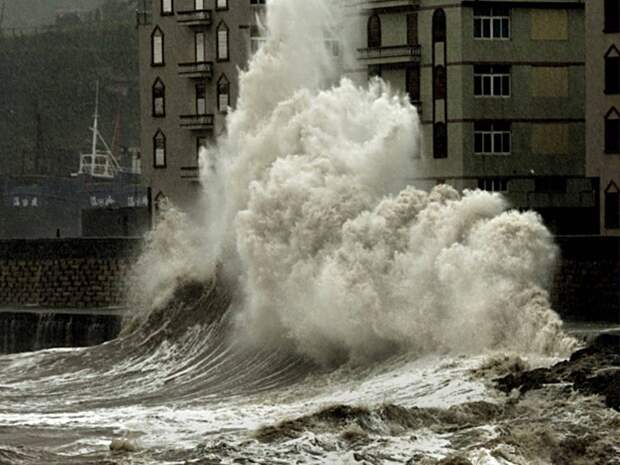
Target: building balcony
<point>196,70</point>
<point>197,122</point>
<point>195,18</point>
<point>390,55</point>
<point>384,5</point>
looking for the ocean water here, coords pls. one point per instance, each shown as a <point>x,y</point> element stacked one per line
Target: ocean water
<point>325,310</point>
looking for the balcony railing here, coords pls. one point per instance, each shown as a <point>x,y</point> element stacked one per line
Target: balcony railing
<point>197,122</point>
<point>195,18</point>
<point>196,70</point>
<point>368,5</point>
<point>390,54</point>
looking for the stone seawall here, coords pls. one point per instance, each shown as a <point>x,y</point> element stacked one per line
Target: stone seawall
<point>65,273</point>
<point>587,281</point>
<point>90,273</point>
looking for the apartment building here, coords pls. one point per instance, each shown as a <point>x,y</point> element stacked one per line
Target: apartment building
<point>190,53</point>
<point>500,90</point>
<point>603,107</point>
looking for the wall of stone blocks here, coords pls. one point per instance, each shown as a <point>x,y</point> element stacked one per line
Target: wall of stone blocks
<point>65,273</point>
<point>587,279</point>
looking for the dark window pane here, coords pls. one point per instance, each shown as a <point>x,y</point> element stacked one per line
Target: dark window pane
<point>612,75</point>
<point>477,85</point>
<point>497,85</point>
<point>497,143</point>
<point>505,28</point>
<point>612,136</point>
<point>413,83</point>
<point>506,143</point>
<point>612,15</point>
<point>612,210</point>
<point>486,85</point>
<point>506,86</point>
<point>440,140</point>
<point>440,82</point>
<point>487,146</point>
<point>439,26</point>
<point>374,31</point>
<point>478,142</point>
<point>477,27</point>
<point>497,27</point>
<point>486,28</point>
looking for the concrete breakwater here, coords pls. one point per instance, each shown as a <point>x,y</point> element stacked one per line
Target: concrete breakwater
<point>24,330</point>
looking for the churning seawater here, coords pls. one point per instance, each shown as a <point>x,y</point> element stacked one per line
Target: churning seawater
<point>323,311</point>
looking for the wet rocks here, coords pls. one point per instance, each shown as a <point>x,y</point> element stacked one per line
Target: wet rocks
<point>123,445</point>
<point>592,370</point>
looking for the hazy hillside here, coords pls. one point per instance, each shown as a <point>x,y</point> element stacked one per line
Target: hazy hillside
<point>34,13</point>
<point>48,85</point>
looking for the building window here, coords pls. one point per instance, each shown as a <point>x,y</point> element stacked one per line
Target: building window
<point>491,23</point>
<point>440,140</point>
<point>492,138</point>
<point>612,15</point>
<point>612,131</point>
<point>221,5</point>
<point>199,5</point>
<point>223,94</point>
<point>257,39</point>
<point>439,26</point>
<point>374,71</point>
<point>439,88</point>
<point>413,83</point>
<point>257,2</point>
<point>201,143</point>
<point>222,42</point>
<point>412,29</point>
<point>374,31</point>
<point>166,7</point>
<point>612,71</point>
<point>199,42</point>
<point>493,184</point>
<point>159,149</point>
<point>201,99</point>
<point>161,202</point>
<point>159,98</point>
<point>492,81</point>
<point>157,47</point>
<point>612,206</point>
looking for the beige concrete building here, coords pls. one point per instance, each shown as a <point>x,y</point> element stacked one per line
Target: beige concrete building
<point>500,88</point>
<point>190,53</point>
<point>603,107</point>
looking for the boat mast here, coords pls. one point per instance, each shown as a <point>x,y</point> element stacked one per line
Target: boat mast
<point>95,127</point>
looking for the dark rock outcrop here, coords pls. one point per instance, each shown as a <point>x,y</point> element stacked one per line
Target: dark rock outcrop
<point>592,370</point>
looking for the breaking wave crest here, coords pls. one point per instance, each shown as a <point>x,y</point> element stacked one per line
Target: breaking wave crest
<point>331,250</point>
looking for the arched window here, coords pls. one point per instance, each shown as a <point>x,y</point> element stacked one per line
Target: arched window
<point>157,47</point>
<point>612,131</point>
<point>439,26</point>
<point>612,206</point>
<point>612,71</point>
<point>222,42</point>
<point>440,140</point>
<point>223,94</point>
<point>161,202</point>
<point>439,82</point>
<point>374,31</point>
<point>159,149</point>
<point>159,98</point>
